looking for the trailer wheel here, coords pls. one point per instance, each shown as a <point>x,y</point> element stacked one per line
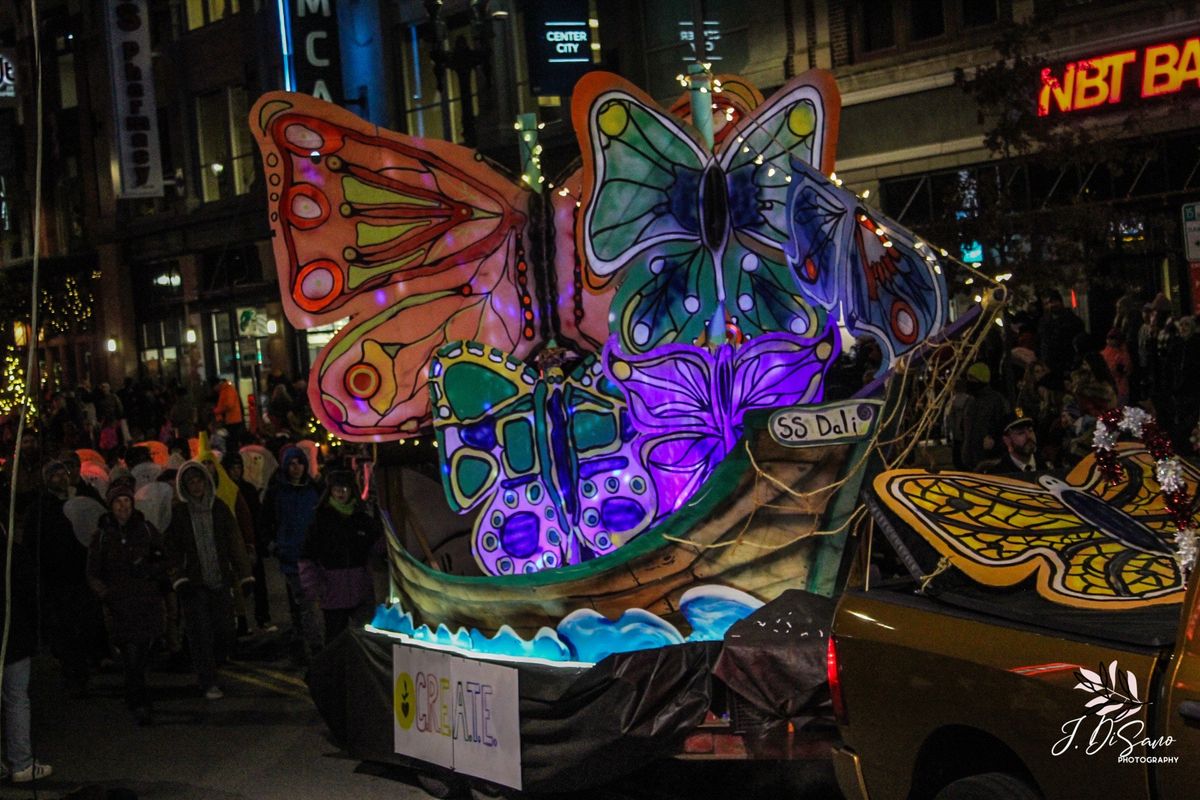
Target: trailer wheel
<point>442,784</point>
<point>988,786</point>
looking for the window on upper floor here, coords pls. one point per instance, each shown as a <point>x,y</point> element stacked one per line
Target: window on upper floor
<point>423,114</point>
<point>224,144</point>
<point>204,12</point>
<point>881,26</point>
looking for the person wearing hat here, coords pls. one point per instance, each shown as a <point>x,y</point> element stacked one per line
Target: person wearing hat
<point>289,507</point>
<point>983,417</point>
<point>1020,447</point>
<point>126,567</point>
<point>334,561</point>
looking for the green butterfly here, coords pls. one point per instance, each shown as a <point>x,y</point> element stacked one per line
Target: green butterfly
<point>696,238</point>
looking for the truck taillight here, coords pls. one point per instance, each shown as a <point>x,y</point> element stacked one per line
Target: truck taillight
<point>835,682</point>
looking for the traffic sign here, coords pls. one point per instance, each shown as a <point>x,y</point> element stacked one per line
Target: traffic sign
<point>1191,231</point>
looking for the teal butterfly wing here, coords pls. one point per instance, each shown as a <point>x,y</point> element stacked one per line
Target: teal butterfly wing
<point>641,216</point>
<point>486,421</point>
<point>614,491</point>
<point>639,163</point>
<point>797,124</point>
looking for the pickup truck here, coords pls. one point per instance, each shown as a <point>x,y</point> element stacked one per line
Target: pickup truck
<point>950,690</point>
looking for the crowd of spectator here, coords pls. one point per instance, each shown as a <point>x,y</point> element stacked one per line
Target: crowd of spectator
<point>141,534</point>
<point>1032,398</point>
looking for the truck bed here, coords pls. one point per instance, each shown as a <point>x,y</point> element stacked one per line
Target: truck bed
<point>1153,627</point>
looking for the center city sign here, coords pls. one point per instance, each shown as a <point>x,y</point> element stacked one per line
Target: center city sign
<point>1154,71</point>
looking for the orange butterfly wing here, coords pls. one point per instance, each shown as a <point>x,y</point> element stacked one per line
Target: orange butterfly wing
<point>417,241</point>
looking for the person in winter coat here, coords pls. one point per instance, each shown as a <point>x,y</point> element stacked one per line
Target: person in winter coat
<point>18,659</point>
<point>228,410</point>
<point>127,565</point>
<point>207,564</point>
<point>71,618</point>
<point>229,493</point>
<point>333,562</point>
<point>289,508</point>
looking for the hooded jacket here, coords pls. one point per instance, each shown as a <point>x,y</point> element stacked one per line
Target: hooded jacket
<point>288,511</point>
<point>182,548</point>
<point>229,493</point>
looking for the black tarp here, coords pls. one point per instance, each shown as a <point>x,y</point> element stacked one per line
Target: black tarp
<point>775,658</point>
<point>585,726</point>
<point>580,727</point>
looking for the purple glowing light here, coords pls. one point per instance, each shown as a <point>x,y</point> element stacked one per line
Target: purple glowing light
<point>688,404</point>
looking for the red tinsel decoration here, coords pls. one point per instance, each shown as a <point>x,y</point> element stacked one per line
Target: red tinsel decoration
<point>1177,503</point>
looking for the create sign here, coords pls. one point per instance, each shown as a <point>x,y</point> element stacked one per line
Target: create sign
<point>1153,71</point>
<point>458,713</point>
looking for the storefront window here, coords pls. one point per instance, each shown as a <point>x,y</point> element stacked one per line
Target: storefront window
<point>424,102</point>
<point>159,351</point>
<point>317,338</point>
<point>226,152</point>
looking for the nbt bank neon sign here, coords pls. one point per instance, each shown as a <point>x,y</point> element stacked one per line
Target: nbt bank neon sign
<point>1154,71</point>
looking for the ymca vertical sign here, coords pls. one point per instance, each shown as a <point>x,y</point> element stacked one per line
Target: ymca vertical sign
<point>317,56</point>
<point>136,133</point>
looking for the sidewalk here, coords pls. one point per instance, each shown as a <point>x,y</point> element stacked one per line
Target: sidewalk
<point>263,741</point>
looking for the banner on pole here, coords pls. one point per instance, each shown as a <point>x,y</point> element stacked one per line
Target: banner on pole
<point>136,132</point>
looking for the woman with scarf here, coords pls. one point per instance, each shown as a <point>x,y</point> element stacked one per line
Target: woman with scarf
<point>208,563</point>
<point>334,560</point>
<point>126,566</point>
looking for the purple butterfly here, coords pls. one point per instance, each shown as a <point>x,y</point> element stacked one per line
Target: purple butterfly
<point>688,403</point>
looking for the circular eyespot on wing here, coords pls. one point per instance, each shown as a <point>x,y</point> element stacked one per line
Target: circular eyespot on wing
<point>306,206</point>
<point>318,284</point>
<point>362,380</point>
<point>305,136</point>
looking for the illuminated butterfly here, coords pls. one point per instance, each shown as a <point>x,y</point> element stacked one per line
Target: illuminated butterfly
<point>418,242</point>
<point>548,459</point>
<point>856,263</point>
<point>1089,544</point>
<point>695,236</point>
<point>688,403</point>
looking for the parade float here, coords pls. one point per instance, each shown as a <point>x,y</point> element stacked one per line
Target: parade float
<point>628,376</point>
